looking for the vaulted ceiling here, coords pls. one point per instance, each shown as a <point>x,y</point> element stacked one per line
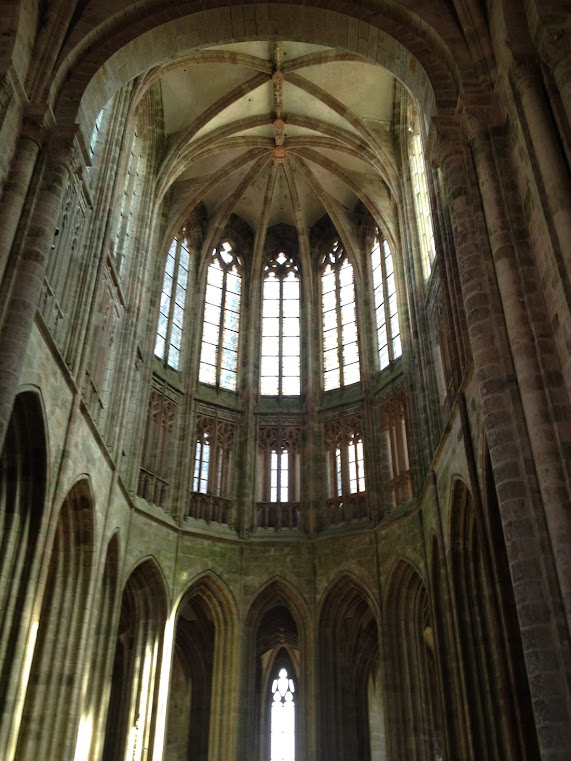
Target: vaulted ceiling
<point>277,132</point>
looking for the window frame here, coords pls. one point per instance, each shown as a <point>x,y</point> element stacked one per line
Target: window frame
<point>226,267</point>
<point>337,249</point>
<point>180,241</point>
<point>421,195</point>
<point>382,285</point>
<point>282,269</point>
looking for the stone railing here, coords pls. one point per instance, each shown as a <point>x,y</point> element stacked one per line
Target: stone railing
<point>339,510</point>
<point>401,488</point>
<point>209,508</point>
<point>278,515</point>
<point>153,488</point>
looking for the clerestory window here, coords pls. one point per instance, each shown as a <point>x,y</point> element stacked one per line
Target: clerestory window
<point>421,196</point>
<point>340,346</point>
<point>280,367</point>
<point>385,298</point>
<point>219,352</point>
<point>173,299</point>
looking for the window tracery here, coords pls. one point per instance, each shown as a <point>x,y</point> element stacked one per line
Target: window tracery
<point>340,344</point>
<point>219,352</point>
<point>346,467</point>
<point>159,434</point>
<point>393,413</point>
<point>280,366</point>
<point>385,298</point>
<point>173,302</point>
<point>279,446</point>
<point>214,443</point>
<point>421,194</point>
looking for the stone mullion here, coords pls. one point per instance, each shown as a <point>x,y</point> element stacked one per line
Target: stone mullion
<point>136,302</point>
<point>97,240</point>
<point>29,273</point>
<point>455,323</point>
<point>518,497</point>
<point>414,329</point>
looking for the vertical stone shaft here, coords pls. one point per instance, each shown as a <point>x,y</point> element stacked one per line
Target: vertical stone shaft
<point>14,195</point>
<point>518,498</point>
<point>545,435</point>
<point>555,51</point>
<point>28,282</point>
<point>550,159</point>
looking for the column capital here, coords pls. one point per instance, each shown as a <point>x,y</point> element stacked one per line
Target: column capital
<point>37,121</point>
<point>67,146</point>
<point>450,139</point>
<point>524,72</point>
<point>476,120</point>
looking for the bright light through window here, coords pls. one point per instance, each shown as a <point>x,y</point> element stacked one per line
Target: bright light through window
<point>340,347</point>
<point>219,354</point>
<point>421,199</point>
<point>280,373</point>
<point>173,297</point>
<point>283,718</point>
<point>386,311</point>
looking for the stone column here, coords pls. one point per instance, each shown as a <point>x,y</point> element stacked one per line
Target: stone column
<point>555,52</point>
<point>23,298</point>
<point>552,163</point>
<point>546,435</point>
<point>18,180</point>
<point>521,509</point>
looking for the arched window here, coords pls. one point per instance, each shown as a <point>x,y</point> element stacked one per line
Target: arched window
<point>282,718</point>
<point>173,298</point>
<point>386,310</point>
<point>280,372</point>
<point>340,347</point>
<point>421,195</point>
<point>219,353</point>
<point>345,468</point>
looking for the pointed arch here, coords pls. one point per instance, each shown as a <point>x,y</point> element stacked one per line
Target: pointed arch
<point>203,671</point>
<point>277,630</point>
<point>490,695</point>
<point>23,479</point>
<point>91,730</point>
<point>349,654</point>
<point>59,651</point>
<point>409,659</point>
<point>134,686</point>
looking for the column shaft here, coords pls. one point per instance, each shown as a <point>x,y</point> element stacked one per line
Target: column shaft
<point>28,282</point>
<point>521,509</point>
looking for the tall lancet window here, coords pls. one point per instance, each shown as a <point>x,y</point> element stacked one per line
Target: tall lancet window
<point>340,347</point>
<point>282,745</point>
<point>280,372</point>
<point>386,311</point>
<point>421,195</point>
<point>173,298</point>
<point>219,353</point>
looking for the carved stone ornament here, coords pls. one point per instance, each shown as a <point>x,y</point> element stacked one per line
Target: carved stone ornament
<point>524,72</point>
<point>450,139</point>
